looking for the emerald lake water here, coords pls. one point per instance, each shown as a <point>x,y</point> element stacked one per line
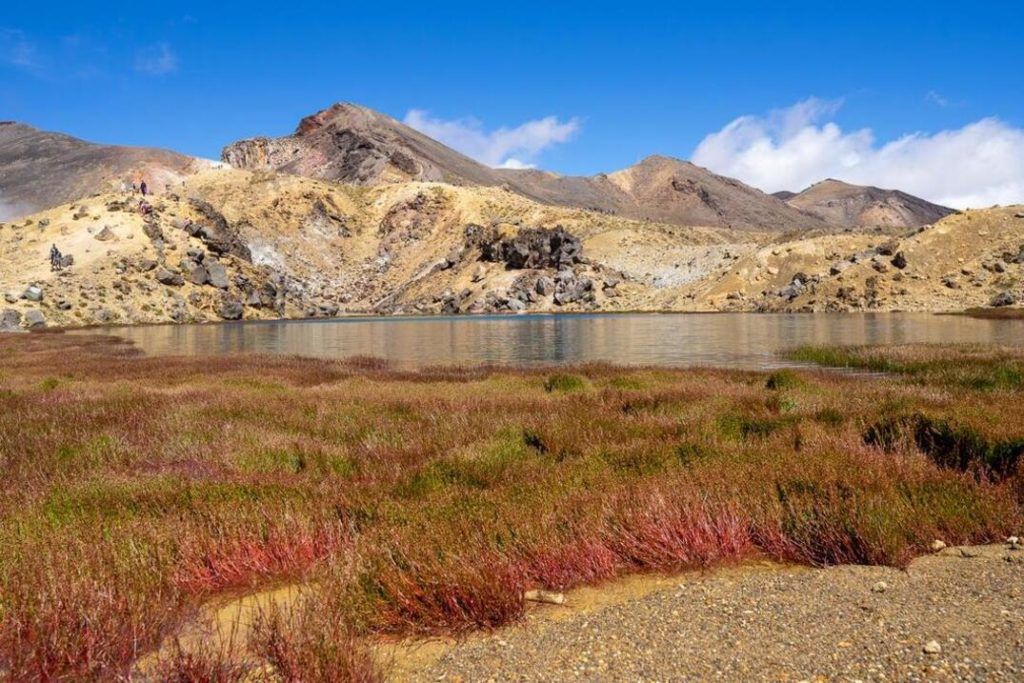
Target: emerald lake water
<point>726,339</point>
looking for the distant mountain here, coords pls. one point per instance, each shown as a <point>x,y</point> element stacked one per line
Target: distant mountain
<point>350,143</point>
<point>39,170</point>
<point>784,195</point>
<point>842,204</point>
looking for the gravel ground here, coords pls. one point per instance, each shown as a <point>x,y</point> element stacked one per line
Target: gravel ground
<point>786,624</point>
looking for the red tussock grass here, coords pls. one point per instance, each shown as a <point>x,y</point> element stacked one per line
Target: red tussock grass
<point>137,489</point>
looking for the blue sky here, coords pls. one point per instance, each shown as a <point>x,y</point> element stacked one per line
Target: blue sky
<point>622,80</point>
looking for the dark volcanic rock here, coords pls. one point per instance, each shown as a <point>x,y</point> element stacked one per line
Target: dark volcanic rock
<point>535,248</point>
<point>170,278</point>
<point>230,308</point>
<point>1004,299</point>
<point>215,232</point>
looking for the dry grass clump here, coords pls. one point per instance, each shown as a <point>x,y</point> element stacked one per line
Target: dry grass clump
<point>422,502</point>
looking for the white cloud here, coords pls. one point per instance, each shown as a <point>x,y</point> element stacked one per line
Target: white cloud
<point>978,165</point>
<point>156,60</point>
<point>17,50</point>
<point>514,163</point>
<point>501,148</point>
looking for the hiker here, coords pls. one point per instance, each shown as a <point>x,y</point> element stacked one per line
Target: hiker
<point>55,258</point>
<point>142,188</point>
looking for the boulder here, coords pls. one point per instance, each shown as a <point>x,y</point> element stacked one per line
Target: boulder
<point>33,293</point>
<point>194,272</point>
<point>899,260</point>
<point>230,308</point>
<point>169,278</point>
<point>105,235</point>
<point>217,275</point>
<point>545,286</point>
<point>152,230</point>
<point>10,320</point>
<point>12,296</point>
<point>215,232</point>
<point>1004,299</point>
<point>34,319</point>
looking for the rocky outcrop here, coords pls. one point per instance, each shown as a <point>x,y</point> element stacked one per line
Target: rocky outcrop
<point>216,234</point>
<point>530,248</point>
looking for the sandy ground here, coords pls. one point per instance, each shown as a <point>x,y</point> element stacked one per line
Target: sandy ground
<point>781,624</point>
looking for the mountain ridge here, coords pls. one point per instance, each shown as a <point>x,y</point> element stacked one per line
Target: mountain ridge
<point>41,169</point>
<point>844,204</point>
<point>351,143</point>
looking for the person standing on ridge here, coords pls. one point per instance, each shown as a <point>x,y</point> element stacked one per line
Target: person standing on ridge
<point>142,188</point>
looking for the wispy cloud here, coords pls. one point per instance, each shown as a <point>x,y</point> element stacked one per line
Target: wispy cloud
<point>936,99</point>
<point>980,164</point>
<point>17,50</point>
<point>503,147</point>
<point>156,60</point>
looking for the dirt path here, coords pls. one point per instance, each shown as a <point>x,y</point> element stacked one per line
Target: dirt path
<point>784,624</point>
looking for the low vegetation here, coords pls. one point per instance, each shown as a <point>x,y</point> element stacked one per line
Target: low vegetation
<point>136,489</point>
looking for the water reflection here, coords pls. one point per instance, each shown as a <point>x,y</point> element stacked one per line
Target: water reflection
<point>739,340</point>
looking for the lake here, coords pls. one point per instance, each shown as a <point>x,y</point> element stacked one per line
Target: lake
<point>744,340</point>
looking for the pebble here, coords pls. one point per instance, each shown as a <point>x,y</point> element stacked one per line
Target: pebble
<point>932,647</point>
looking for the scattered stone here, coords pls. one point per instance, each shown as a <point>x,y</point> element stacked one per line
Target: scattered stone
<point>217,274</point>
<point>1004,299</point>
<point>195,273</point>
<point>12,297</point>
<point>34,319</point>
<point>33,293</point>
<point>932,647</point>
<point>549,597</point>
<point>63,305</point>
<point>10,320</point>
<point>168,277</point>
<point>230,309</point>
<point>152,231</point>
<point>105,235</point>
<point>545,286</point>
<point>899,260</point>
<point>838,268</point>
<point>880,587</point>
<point>937,545</point>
